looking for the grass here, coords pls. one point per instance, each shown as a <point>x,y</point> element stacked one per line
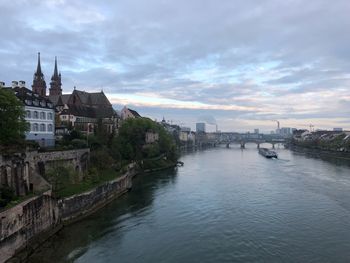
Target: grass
<point>18,200</point>
<point>69,188</point>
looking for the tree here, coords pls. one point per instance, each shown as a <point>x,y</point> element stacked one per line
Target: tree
<point>12,118</point>
<point>131,140</point>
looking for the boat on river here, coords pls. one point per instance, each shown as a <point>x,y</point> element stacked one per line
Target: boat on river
<point>268,153</point>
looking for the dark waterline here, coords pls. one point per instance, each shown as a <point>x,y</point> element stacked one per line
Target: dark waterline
<point>224,205</point>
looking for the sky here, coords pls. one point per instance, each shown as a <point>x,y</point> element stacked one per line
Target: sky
<point>242,64</point>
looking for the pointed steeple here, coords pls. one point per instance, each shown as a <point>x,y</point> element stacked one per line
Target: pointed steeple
<point>38,68</point>
<point>39,84</point>
<point>55,84</point>
<point>55,72</point>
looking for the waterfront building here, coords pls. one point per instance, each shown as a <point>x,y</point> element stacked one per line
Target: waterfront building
<point>40,114</point>
<point>151,137</point>
<point>185,129</point>
<point>338,129</point>
<point>80,110</point>
<point>85,111</point>
<point>183,136</point>
<point>200,127</point>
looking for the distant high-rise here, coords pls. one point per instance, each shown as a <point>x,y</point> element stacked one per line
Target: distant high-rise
<point>55,84</point>
<point>39,84</point>
<point>200,127</point>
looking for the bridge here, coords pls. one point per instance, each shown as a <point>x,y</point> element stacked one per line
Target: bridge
<point>243,141</point>
<point>228,138</point>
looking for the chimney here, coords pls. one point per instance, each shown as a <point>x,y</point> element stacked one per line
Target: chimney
<point>22,84</point>
<point>14,84</point>
<point>2,84</point>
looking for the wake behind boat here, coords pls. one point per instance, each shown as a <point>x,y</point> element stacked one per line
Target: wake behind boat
<point>268,153</point>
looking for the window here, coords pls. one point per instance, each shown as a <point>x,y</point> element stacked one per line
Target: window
<point>28,102</point>
<point>42,127</point>
<point>36,102</point>
<point>42,115</point>
<point>35,127</point>
<point>49,116</point>
<point>49,105</point>
<point>49,128</point>
<point>43,103</point>
<point>28,114</point>
<point>36,115</point>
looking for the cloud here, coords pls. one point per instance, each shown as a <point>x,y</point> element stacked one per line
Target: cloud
<point>244,62</point>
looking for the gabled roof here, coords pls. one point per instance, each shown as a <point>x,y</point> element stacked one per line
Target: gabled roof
<point>92,98</point>
<point>59,100</point>
<point>90,112</point>
<point>27,97</point>
<point>135,113</point>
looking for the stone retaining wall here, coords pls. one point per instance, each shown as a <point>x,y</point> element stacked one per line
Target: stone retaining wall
<point>32,220</point>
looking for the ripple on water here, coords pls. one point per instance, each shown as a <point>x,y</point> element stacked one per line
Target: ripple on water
<point>224,205</point>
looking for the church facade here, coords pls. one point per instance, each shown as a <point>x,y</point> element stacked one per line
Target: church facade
<point>81,110</point>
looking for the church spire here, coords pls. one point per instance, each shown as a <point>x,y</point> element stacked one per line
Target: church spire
<point>55,84</point>
<point>38,68</point>
<point>55,72</point>
<point>39,84</point>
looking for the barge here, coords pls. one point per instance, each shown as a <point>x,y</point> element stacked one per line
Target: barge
<point>268,153</point>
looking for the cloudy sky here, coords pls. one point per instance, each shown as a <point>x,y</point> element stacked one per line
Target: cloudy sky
<point>241,63</point>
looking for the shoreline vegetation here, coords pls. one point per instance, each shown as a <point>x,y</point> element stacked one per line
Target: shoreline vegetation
<point>110,154</point>
<point>114,160</point>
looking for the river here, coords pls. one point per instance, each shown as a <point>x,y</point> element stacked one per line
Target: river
<point>223,205</point>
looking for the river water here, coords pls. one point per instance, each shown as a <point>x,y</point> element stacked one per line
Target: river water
<point>223,205</point>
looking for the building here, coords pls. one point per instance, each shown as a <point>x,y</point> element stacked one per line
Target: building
<point>127,113</point>
<point>39,83</point>
<point>338,129</point>
<point>151,137</point>
<point>285,131</point>
<point>85,111</point>
<point>40,115</point>
<point>200,127</point>
<point>256,131</point>
<point>183,136</point>
<point>81,110</point>
<point>56,83</point>
<point>185,129</point>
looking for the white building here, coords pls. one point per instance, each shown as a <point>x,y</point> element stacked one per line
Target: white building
<point>40,114</point>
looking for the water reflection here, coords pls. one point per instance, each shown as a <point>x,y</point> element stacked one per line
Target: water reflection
<point>108,221</point>
<point>224,205</point>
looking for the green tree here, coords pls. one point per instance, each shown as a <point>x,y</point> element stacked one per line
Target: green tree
<point>12,122</point>
<point>131,140</point>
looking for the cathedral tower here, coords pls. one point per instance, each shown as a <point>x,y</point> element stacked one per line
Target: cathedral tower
<point>55,84</point>
<point>39,84</point>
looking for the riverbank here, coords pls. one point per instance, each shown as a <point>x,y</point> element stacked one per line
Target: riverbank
<point>223,205</point>
<point>29,224</point>
<point>315,151</point>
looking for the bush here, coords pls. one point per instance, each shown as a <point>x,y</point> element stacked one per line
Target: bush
<point>6,195</point>
<point>79,143</point>
<point>101,159</point>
